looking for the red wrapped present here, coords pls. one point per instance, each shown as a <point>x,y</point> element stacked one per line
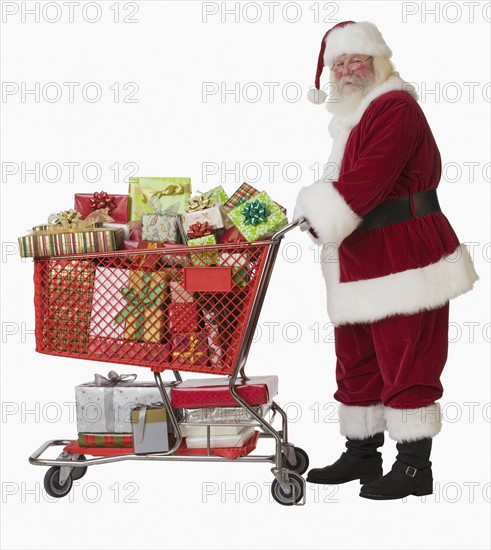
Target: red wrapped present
<point>182,316</point>
<point>201,393</point>
<point>190,349</point>
<point>232,235</point>
<point>85,203</point>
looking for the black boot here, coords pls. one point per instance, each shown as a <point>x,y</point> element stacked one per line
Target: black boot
<point>410,475</point>
<point>361,461</point>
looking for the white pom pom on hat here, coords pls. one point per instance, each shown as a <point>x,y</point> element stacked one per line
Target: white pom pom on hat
<point>347,37</point>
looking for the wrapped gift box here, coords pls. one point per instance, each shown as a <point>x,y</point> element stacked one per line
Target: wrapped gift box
<point>212,216</point>
<point>108,301</point>
<point>150,433</point>
<point>47,243</point>
<point>63,313</point>
<point>243,193</point>
<point>205,257</point>
<point>217,415</point>
<point>178,294</point>
<point>230,440</point>
<point>190,349</point>
<point>167,190</point>
<point>160,228</point>
<point>125,228</point>
<point>199,393</point>
<point>232,235</point>
<point>143,314</point>
<point>258,217</point>
<point>105,440</point>
<point>104,405</point>
<point>211,328</point>
<point>182,317</point>
<point>117,205</point>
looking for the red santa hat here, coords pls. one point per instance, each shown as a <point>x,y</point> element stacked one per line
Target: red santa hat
<point>347,37</point>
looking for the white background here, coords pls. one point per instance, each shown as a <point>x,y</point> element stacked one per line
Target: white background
<point>172,131</point>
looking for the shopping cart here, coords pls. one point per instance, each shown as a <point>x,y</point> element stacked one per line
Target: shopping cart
<point>129,307</point>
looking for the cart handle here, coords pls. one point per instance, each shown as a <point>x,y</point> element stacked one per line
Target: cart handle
<point>289,227</point>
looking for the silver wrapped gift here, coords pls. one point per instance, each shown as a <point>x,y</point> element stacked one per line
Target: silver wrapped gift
<point>221,415</point>
<point>104,405</point>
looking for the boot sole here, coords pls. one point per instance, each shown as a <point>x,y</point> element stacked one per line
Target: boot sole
<point>421,492</point>
<point>365,478</point>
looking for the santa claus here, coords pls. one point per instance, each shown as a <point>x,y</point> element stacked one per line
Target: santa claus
<point>399,262</point>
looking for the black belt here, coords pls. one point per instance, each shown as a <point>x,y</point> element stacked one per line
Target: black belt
<point>400,210</point>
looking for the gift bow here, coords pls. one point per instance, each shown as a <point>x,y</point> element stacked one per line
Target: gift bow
<point>171,189</point>
<point>255,212</point>
<point>199,229</point>
<point>102,200</point>
<point>71,220</point>
<point>192,354</point>
<point>140,300</point>
<point>156,205</point>
<point>113,379</point>
<point>65,218</point>
<point>200,202</point>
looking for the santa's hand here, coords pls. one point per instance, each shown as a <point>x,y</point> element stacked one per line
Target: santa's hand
<point>305,225</point>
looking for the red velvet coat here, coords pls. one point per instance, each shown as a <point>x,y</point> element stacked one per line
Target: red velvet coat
<point>385,150</point>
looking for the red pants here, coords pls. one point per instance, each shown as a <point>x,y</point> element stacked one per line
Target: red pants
<point>396,361</point>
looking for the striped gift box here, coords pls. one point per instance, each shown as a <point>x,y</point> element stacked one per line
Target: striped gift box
<point>41,243</point>
<point>105,440</point>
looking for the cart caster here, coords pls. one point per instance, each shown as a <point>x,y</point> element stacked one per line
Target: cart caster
<point>52,483</point>
<point>295,493</point>
<point>301,463</point>
<point>78,473</point>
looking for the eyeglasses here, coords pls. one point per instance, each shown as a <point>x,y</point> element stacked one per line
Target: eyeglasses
<point>352,65</point>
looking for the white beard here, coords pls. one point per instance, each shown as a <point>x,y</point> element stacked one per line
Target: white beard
<point>346,99</point>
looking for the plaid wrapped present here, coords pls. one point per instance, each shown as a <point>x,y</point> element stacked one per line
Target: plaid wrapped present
<point>105,440</point>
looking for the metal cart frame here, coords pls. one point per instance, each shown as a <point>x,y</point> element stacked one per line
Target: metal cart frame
<point>289,462</point>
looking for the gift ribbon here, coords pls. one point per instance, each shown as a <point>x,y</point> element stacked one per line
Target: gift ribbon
<point>113,379</point>
<point>170,211</point>
<point>140,300</point>
<point>192,354</point>
<point>65,218</point>
<point>171,189</point>
<point>255,212</point>
<point>199,229</point>
<point>102,200</point>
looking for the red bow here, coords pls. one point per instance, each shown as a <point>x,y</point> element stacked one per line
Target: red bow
<point>199,229</point>
<point>102,200</point>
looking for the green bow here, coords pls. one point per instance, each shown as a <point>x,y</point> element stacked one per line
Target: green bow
<point>255,212</point>
<point>147,298</point>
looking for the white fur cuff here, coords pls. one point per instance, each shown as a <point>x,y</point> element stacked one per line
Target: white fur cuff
<point>413,424</point>
<point>327,212</point>
<point>361,422</point>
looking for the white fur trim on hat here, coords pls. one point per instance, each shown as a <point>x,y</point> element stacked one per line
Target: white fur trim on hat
<point>413,424</point>
<point>361,422</point>
<point>363,38</point>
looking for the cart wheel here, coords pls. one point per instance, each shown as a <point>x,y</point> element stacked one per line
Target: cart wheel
<point>52,483</point>
<point>302,462</point>
<point>295,493</point>
<point>78,473</point>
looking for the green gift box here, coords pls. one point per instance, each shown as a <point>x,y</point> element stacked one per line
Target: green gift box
<point>258,217</point>
<point>217,194</point>
<point>167,190</point>
<point>207,257</point>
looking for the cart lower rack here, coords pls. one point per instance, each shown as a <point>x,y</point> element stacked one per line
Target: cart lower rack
<point>189,309</point>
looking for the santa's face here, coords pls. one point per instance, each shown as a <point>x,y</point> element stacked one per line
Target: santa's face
<point>352,73</point>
